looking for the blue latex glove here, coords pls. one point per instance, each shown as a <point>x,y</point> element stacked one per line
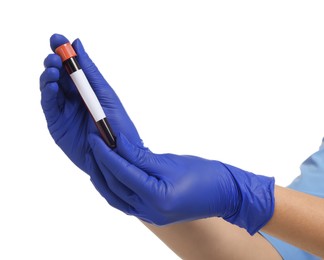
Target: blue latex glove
<point>68,120</point>
<point>168,188</point>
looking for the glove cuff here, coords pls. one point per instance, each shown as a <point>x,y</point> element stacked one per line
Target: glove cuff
<point>257,200</point>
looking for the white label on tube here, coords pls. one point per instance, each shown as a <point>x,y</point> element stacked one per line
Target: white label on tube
<point>88,95</point>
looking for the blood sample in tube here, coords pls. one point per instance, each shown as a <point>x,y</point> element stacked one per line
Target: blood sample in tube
<point>68,56</point>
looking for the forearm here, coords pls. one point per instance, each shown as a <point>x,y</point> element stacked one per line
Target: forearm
<point>213,238</point>
<point>298,219</point>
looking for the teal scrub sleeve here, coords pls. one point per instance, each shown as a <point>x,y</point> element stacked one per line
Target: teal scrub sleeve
<point>311,181</point>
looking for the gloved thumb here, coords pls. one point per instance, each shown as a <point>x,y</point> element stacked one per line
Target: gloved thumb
<point>86,63</point>
<point>104,92</point>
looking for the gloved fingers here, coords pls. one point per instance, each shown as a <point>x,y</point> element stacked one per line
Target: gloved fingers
<point>49,101</point>
<point>49,75</point>
<point>52,98</point>
<point>117,187</point>
<point>129,175</point>
<point>53,60</point>
<point>54,73</point>
<point>101,186</point>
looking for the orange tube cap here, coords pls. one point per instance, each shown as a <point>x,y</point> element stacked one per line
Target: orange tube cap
<point>65,51</point>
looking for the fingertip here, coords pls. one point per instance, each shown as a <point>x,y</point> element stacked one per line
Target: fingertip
<point>53,60</point>
<point>57,40</point>
<point>49,97</point>
<point>50,89</point>
<point>49,75</point>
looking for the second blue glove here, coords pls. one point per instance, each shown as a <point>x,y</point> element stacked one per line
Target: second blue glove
<point>168,188</point>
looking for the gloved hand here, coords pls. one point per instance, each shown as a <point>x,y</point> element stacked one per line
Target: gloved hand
<point>167,188</point>
<point>68,120</point>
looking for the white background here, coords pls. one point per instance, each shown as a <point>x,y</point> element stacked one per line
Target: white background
<point>236,81</point>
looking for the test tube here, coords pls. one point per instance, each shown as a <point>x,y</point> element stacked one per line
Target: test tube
<point>68,56</point>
